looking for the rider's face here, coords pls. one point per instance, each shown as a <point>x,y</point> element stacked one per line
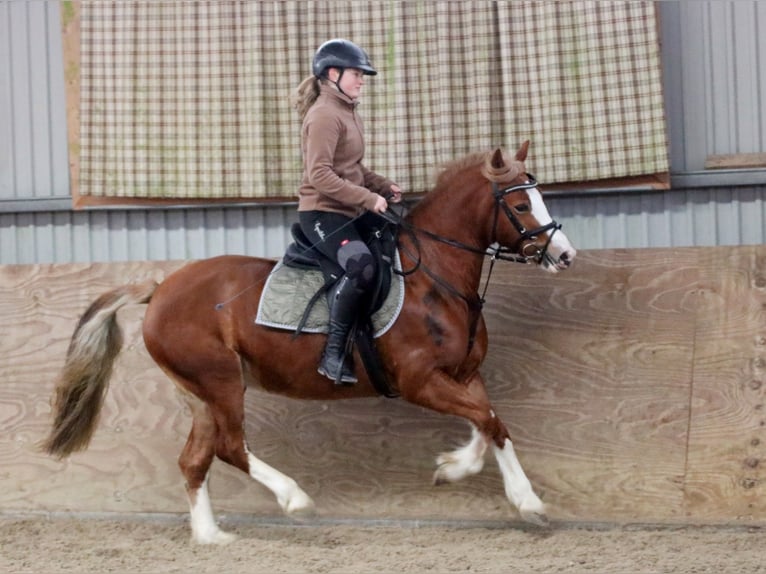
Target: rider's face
<point>351,81</point>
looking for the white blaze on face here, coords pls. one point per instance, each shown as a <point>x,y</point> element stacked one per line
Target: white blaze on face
<point>560,250</point>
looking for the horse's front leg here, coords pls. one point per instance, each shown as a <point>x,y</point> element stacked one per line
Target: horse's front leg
<point>462,462</point>
<point>518,489</point>
<point>470,401</point>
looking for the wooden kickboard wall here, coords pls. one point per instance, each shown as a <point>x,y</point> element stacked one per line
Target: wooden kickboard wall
<point>633,386</point>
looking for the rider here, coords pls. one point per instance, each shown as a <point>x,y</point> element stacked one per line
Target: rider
<point>336,187</point>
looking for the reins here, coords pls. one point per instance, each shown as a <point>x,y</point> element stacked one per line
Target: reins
<point>494,252</point>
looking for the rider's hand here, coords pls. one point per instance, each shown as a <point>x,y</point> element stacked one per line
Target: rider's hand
<point>380,204</point>
<point>396,194</point>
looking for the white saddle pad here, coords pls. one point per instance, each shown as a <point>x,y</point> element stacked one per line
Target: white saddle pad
<point>288,291</point>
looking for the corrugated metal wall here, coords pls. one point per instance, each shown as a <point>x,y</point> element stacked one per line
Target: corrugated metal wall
<point>680,218</point>
<point>715,63</point>
<point>137,235</point>
<point>33,145</point>
<point>715,77</point>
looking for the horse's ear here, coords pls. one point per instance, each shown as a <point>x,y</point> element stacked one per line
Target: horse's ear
<point>498,159</point>
<point>521,155</point>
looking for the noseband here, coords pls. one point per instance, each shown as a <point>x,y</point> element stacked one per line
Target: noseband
<point>524,250</point>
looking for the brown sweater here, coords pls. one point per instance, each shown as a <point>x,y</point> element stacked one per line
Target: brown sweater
<point>332,142</point>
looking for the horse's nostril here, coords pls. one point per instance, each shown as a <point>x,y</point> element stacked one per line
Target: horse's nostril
<point>565,259</point>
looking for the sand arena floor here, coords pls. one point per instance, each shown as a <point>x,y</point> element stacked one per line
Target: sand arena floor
<point>42,545</point>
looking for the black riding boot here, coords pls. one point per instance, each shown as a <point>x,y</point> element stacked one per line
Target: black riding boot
<point>344,301</point>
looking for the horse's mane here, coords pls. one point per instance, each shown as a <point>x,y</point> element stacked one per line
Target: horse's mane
<point>506,173</point>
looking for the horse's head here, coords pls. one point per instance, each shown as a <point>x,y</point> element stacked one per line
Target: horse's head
<point>522,224</point>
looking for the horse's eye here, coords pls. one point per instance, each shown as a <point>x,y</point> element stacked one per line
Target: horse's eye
<point>521,208</point>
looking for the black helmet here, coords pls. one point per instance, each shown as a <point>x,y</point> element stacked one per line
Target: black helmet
<point>339,53</point>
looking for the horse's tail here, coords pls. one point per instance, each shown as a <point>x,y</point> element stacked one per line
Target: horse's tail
<point>83,382</point>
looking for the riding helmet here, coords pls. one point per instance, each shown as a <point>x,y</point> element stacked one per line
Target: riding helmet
<point>339,53</point>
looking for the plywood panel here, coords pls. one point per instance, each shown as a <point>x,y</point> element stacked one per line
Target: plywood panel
<point>598,364</point>
<point>38,304</point>
<point>727,435</point>
<point>632,386</point>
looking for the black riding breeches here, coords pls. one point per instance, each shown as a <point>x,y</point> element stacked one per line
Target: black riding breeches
<point>337,237</point>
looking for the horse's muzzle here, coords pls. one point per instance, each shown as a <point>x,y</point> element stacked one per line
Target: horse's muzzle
<point>555,264</point>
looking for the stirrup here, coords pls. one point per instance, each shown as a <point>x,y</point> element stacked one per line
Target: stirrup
<point>345,377</point>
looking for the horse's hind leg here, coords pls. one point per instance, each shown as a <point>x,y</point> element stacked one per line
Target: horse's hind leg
<point>232,448</point>
<point>195,461</point>
<point>214,434</point>
<point>218,430</point>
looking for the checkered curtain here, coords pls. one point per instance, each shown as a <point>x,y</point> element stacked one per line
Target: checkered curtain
<point>190,99</point>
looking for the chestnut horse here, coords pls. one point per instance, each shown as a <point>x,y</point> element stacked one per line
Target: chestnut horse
<point>483,203</point>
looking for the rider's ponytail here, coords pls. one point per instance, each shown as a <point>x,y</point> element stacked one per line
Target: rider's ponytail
<point>305,95</point>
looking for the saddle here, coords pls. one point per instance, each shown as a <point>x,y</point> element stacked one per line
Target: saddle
<point>381,240</point>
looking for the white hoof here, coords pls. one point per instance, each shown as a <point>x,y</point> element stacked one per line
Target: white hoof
<point>456,465</point>
<point>300,505</point>
<point>532,510</point>
<point>217,537</point>
<point>462,462</point>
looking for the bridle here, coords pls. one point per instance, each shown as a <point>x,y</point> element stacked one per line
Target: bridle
<point>524,250</point>
<point>526,236</point>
